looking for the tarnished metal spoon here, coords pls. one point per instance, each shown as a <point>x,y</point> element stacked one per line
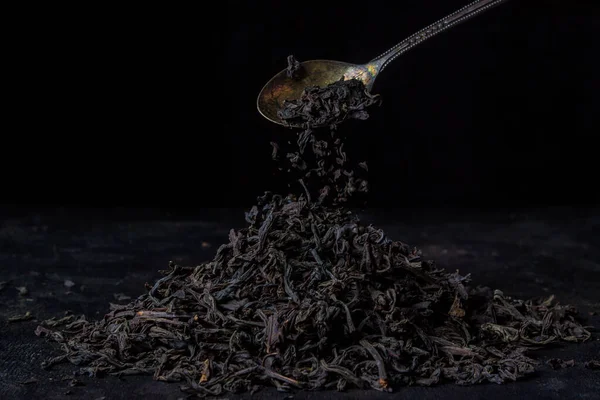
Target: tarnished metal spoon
<point>324,72</point>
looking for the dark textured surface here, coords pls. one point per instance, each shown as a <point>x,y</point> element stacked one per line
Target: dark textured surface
<point>525,254</point>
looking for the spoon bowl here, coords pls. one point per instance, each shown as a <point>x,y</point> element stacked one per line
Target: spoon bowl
<point>325,72</point>
<point>314,73</point>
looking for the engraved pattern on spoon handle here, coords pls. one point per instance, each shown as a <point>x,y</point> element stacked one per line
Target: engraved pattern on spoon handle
<point>461,15</point>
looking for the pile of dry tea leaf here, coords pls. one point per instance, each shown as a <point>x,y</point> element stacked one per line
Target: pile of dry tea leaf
<point>307,297</point>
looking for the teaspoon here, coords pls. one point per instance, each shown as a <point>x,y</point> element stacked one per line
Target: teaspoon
<point>324,72</point>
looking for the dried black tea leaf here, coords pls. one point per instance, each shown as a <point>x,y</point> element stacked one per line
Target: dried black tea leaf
<point>29,381</point>
<point>121,297</point>
<point>557,363</point>
<point>592,364</point>
<point>294,67</point>
<point>320,159</point>
<point>329,106</point>
<point>18,318</point>
<point>306,296</point>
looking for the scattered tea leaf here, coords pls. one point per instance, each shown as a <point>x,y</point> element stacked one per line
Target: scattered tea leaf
<point>121,297</point>
<point>25,317</point>
<point>29,381</point>
<point>557,363</point>
<point>75,382</point>
<point>592,364</point>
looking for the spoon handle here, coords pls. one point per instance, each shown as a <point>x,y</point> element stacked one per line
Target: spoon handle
<point>461,15</point>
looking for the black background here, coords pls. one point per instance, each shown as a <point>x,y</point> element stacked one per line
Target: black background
<point>156,107</point>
